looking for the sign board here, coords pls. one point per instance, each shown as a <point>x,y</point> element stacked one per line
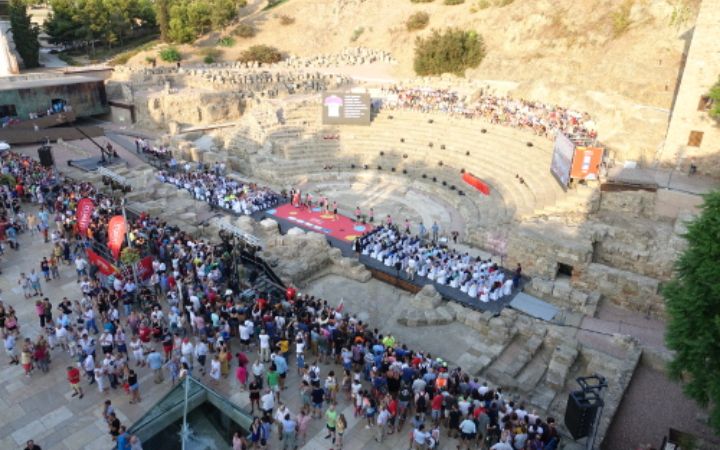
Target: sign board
<point>346,108</point>
<point>562,157</point>
<point>586,163</point>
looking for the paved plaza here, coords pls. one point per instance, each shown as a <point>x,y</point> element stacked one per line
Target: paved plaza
<point>40,407</point>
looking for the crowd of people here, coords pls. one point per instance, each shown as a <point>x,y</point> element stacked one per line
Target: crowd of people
<point>199,321</point>
<point>543,119</point>
<point>219,190</point>
<point>419,257</point>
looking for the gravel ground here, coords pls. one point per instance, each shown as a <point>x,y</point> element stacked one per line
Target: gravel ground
<point>652,404</point>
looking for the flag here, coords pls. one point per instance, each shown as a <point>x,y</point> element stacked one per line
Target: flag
<point>116,234</point>
<point>341,305</point>
<point>83,215</point>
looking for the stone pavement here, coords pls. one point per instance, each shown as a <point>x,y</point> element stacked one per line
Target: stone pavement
<point>40,407</point>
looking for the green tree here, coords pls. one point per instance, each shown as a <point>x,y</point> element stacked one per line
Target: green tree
<point>693,307</point>
<point>162,15</point>
<point>60,25</point>
<point>451,51</point>
<point>25,34</point>
<point>714,95</point>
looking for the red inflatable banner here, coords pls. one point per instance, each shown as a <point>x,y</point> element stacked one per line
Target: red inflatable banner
<point>104,266</point>
<point>85,208</point>
<point>116,234</point>
<point>476,182</point>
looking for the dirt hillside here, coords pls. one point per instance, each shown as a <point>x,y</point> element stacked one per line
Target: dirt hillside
<point>619,59</point>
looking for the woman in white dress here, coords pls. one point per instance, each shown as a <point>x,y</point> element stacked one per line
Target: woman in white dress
<point>473,290</point>
<point>137,352</point>
<point>215,369</point>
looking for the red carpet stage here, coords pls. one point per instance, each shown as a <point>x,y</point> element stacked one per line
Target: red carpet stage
<point>343,228</point>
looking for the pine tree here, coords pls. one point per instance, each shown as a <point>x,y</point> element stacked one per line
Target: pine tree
<point>693,307</point>
<point>25,34</point>
<point>162,17</point>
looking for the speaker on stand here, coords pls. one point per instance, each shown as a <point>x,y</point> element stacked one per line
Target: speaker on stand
<point>46,156</point>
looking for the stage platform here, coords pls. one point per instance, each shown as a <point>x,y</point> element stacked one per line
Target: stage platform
<point>343,230</point>
<point>401,280</point>
<point>92,164</point>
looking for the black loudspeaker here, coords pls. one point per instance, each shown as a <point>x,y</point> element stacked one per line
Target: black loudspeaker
<point>45,155</point>
<point>580,413</point>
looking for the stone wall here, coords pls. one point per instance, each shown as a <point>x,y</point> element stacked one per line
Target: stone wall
<point>637,203</point>
<point>195,108</point>
<point>539,248</point>
<point>626,289</point>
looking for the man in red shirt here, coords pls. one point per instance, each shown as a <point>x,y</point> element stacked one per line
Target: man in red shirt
<point>436,408</point>
<point>73,377</point>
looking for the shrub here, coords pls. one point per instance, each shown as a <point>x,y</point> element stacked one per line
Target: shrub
<point>226,42</point>
<point>245,30</point>
<point>484,4</point>
<point>621,18</point>
<point>356,34</point>
<point>454,2</point>
<point>417,21</point>
<point>273,3</point>
<point>714,101</point>
<point>286,20</point>
<point>261,53</point>
<point>150,60</point>
<point>170,54</point>
<point>502,3</point>
<point>210,54</point>
<point>451,51</point>
<point>421,1</point>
